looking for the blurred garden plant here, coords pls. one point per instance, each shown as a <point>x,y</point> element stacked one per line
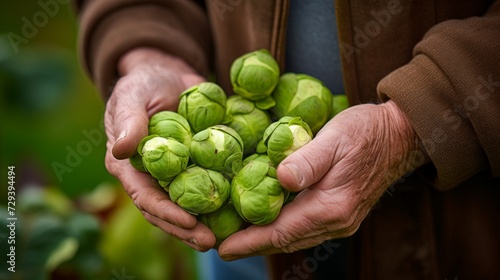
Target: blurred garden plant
<point>94,236</point>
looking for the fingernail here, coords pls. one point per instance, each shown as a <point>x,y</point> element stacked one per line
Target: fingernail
<point>193,241</point>
<point>122,135</point>
<point>295,172</point>
<point>228,258</point>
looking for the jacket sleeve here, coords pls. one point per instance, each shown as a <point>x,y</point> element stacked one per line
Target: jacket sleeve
<point>108,29</point>
<point>450,91</point>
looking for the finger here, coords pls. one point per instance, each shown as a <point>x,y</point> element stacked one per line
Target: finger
<point>199,237</point>
<point>308,164</point>
<point>293,247</point>
<point>191,80</point>
<point>293,223</point>
<point>147,195</point>
<point>300,244</point>
<point>313,216</point>
<point>128,120</point>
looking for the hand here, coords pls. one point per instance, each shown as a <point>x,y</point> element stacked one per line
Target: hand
<point>342,173</point>
<point>151,82</point>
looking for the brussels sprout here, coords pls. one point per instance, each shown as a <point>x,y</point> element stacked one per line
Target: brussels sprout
<point>300,95</point>
<point>261,147</point>
<point>218,148</point>
<point>163,158</point>
<point>259,157</point>
<point>199,190</point>
<point>291,197</point>
<point>285,136</point>
<point>247,120</point>
<point>203,105</point>
<point>223,222</point>
<point>340,103</point>
<point>164,185</point>
<point>170,124</point>
<point>256,193</point>
<point>255,75</point>
<point>136,162</point>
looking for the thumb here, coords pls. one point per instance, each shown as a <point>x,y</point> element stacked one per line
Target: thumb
<point>129,124</point>
<point>133,129</point>
<point>307,165</point>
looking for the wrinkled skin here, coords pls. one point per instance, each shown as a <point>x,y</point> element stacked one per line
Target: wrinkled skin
<point>150,82</point>
<point>342,173</point>
<point>344,170</point>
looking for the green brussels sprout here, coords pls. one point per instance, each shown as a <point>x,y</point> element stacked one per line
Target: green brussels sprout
<point>339,104</point>
<point>223,222</point>
<point>285,136</point>
<point>163,158</point>
<point>261,147</point>
<point>247,120</point>
<point>254,75</point>
<point>291,197</point>
<point>218,148</point>
<point>258,157</point>
<point>300,95</point>
<point>203,105</point>
<point>164,185</point>
<point>170,124</point>
<point>136,162</point>
<point>256,193</point>
<point>199,190</point>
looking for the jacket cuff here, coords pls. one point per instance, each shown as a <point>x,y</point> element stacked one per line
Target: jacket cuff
<point>423,93</point>
<point>106,37</point>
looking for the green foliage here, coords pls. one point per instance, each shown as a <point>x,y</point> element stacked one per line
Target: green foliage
<point>51,127</point>
<point>48,107</point>
<point>131,246</point>
<point>52,234</point>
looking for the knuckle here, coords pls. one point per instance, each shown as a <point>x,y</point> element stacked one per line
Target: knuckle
<point>122,85</point>
<point>110,163</point>
<point>149,201</point>
<point>306,158</point>
<point>345,219</point>
<point>292,248</point>
<point>349,223</point>
<point>149,218</point>
<point>279,239</point>
<point>350,230</point>
<point>136,200</point>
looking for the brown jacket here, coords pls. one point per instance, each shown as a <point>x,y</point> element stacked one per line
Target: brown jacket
<point>438,60</point>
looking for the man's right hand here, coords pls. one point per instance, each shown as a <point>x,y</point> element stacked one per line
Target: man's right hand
<point>151,81</point>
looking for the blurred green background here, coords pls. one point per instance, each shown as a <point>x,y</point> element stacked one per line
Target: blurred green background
<point>73,219</point>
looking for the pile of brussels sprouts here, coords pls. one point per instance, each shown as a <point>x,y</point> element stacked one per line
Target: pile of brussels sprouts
<point>216,157</point>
